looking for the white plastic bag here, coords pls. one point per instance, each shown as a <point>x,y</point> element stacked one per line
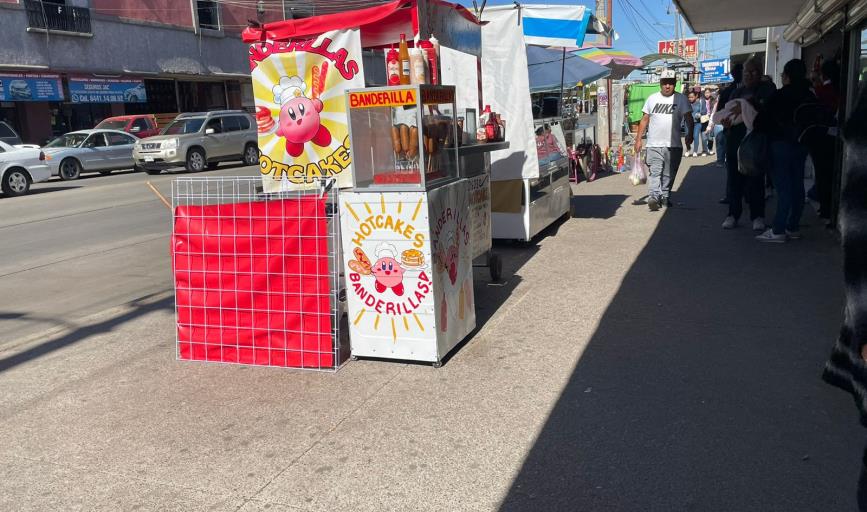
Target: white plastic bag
<point>638,174</point>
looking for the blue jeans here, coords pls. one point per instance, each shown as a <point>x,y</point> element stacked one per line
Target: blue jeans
<point>719,142</point>
<point>788,174</point>
<point>698,138</point>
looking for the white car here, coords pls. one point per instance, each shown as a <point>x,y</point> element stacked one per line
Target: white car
<point>20,167</point>
<point>90,150</point>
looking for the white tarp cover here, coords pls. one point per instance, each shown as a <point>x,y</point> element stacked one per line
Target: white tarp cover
<point>506,87</point>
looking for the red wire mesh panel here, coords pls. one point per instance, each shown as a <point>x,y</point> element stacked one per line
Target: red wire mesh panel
<point>255,276</point>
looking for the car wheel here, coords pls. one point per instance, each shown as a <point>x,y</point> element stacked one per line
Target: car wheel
<point>196,160</point>
<point>153,172</point>
<point>251,154</point>
<point>70,169</point>
<point>16,182</point>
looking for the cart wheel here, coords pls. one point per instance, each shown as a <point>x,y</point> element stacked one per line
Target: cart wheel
<point>495,265</point>
<point>438,364</point>
<point>353,358</point>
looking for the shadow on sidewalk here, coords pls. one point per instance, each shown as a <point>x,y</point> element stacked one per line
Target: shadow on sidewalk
<point>137,308</point>
<point>700,389</point>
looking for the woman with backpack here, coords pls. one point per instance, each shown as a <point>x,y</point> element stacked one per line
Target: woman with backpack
<point>788,155</point>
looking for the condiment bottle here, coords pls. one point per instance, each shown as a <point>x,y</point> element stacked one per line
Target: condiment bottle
<point>403,57</point>
<point>417,66</point>
<point>392,66</point>
<point>430,54</point>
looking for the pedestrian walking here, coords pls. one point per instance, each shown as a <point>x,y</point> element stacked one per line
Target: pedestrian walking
<point>699,111</point>
<point>788,155</point>
<point>721,131</point>
<point>846,367</point>
<point>663,113</point>
<point>739,187</point>
<point>709,101</point>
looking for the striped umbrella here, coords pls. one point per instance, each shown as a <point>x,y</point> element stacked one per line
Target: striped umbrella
<point>620,62</point>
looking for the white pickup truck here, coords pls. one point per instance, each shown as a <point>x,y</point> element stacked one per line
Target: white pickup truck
<point>19,167</point>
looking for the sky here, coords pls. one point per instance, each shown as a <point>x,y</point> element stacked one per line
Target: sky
<point>640,24</point>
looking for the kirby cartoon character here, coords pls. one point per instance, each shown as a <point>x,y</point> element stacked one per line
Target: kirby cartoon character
<point>450,258</point>
<point>387,270</point>
<point>299,120</point>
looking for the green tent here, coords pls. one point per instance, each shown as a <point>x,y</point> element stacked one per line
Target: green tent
<point>638,94</point>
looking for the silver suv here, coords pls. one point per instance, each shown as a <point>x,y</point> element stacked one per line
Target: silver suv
<point>198,141</point>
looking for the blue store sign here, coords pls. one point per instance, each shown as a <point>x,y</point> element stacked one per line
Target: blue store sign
<point>714,71</point>
<point>106,90</point>
<point>30,87</point>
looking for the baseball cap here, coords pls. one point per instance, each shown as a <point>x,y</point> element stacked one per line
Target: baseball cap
<point>668,74</point>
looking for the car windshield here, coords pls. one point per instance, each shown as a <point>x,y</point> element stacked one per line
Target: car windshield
<point>181,126</point>
<point>116,124</point>
<point>70,140</point>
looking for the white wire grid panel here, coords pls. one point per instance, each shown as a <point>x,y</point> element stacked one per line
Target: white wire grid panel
<point>258,277</point>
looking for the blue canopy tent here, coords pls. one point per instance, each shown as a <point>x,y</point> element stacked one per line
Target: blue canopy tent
<point>549,71</point>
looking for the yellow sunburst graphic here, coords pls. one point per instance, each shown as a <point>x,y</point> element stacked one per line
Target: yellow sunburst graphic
<point>389,310</point>
<point>313,77</point>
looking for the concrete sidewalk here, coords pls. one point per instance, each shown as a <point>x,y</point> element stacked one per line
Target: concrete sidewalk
<point>633,361</point>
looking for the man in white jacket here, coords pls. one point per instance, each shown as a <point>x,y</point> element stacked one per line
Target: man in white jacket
<point>663,113</point>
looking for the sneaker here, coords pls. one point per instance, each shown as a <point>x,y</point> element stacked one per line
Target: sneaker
<point>703,153</point>
<point>769,236</point>
<point>653,204</point>
<point>794,235</point>
<point>712,152</point>
<point>759,224</point>
<point>686,155</point>
<point>729,223</point>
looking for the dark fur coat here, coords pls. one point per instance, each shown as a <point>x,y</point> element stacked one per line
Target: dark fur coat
<point>846,368</point>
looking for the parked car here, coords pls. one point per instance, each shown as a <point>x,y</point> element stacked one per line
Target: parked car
<point>90,150</point>
<point>141,126</point>
<point>200,140</point>
<point>20,168</point>
<point>8,135</point>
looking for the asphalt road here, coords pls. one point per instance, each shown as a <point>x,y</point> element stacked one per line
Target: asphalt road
<point>71,249</point>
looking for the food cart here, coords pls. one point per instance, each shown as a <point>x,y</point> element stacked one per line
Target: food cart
<point>418,213</point>
<point>530,180</point>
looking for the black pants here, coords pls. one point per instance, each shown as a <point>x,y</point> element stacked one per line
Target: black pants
<point>738,186</point>
<point>822,154</point>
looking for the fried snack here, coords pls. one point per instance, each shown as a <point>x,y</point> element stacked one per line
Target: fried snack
<point>404,138</point>
<point>395,140</point>
<point>356,266</point>
<point>323,74</point>
<point>413,142</point>
<point>314,79</point>
<point>361,257</point>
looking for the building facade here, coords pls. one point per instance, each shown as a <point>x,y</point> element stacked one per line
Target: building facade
<point>66,65</point>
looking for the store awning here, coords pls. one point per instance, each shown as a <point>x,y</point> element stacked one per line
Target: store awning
<point>705,16</point>
<point>545,67</point>
<point>562,26</point>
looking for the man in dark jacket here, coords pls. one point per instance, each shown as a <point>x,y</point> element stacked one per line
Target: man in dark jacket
<point>758,93</point>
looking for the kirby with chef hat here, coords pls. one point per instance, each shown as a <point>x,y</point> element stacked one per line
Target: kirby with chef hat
<point>387,270</point>
<point>299,121</point>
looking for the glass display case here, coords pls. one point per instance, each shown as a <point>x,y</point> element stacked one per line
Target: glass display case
<point>403,138</point>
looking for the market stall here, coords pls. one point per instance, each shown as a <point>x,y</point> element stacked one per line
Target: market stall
<point>359,96</point>
<point>530,181</point>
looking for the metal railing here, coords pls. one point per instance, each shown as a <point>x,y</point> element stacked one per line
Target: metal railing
<point>50,16</point>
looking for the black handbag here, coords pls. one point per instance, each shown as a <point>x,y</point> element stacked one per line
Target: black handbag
<point>754,155</point>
